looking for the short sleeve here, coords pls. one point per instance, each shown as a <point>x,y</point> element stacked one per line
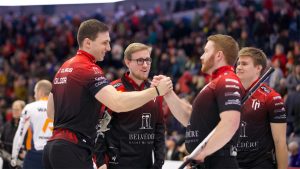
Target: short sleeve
<point>276,109</point>
<point>96,79</point>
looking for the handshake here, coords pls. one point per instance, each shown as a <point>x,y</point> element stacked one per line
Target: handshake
<point>163,84</point>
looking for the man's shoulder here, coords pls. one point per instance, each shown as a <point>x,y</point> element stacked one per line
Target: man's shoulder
<point>117,84</point>
<point>35,104</point>
<point>270,92</point>
<point>229,78</point>
<point>266,89</point>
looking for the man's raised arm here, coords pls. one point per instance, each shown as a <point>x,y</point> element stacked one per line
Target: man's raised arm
<point>126,101</point>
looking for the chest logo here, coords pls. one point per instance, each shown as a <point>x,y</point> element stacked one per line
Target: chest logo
<point>255,104</point>
<point>146,121</point>
<point>243,129</point>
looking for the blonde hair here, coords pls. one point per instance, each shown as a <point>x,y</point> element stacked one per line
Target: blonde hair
<point>257,55</point>
<point>227,45</point>
<point>135,47</point>
<point>19,102</point>
<point>45,86</point>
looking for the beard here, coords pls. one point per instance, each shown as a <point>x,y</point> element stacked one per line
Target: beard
<point>207,65</point>
<point>139,76</point>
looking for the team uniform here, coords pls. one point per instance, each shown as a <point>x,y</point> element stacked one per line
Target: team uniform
<point>34,116</point>
<point>256,146</point>
<point>133,135</point>
<point>76,113</point>
<point>223,93</point>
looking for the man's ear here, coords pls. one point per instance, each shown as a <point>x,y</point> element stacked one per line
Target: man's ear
<point>86,43</point>
<point>126,61</point>
<point>219,55</point>
<point>259,69</point>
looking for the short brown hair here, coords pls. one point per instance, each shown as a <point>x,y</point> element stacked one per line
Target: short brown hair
<point>227,45</point>
<point>135,47</point>
<point>257,55</point>
<point>90,29</point>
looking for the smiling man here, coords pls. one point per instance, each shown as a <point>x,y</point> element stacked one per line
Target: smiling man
<point>262,142</point>
<point>133,135</point>
<point>217,106</point>
<point>78,87</point>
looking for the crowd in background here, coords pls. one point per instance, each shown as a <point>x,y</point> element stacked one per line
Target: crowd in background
<point>33,47</point>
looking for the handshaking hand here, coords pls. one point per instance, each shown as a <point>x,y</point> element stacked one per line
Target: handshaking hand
<point>163,83</point>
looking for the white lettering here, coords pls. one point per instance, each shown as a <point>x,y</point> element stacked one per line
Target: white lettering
<point>236,101</point>
<point>232,80</point>
<point>61,80</point>
<point>232,86</point>
<point>276,97</point>
<point>66,70</point>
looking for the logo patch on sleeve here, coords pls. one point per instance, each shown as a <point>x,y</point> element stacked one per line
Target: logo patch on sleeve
<point>265,89</point>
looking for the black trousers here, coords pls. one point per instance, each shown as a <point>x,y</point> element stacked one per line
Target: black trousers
<point>218,162</point>
<point>33,159</point>
<point>267,164</point>
<point>61,154</point>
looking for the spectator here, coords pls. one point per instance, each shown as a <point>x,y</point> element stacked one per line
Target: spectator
<point>10,129</point>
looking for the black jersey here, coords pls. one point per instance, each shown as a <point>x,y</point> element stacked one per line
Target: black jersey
<point>223,93</point>
<point>256,144</point>
<point>135,134</point>
<point>74,88</point>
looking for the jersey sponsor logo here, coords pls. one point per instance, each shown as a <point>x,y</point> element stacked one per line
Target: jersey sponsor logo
<point>234,101</point>
<point>279,104</point>
<point>100,83</point>
<point>100,78</point>
<point>276,97</point>
<point>237,94</point>
<point>280,117</point>
<point>66,70</point>
<point>192,134</point>
<point>232,86</point>
<point>248,145</point>
<point>117,85</point>
<point>48,124</point>
<point>232,80</point>
<point>146,121</point>
<point>279,110</point>
<point>96,70</point>
<point>243,129</point>
<point>40,109</point>
<point>61,80</point>
<point>255,104</point>
<point>265,89</point>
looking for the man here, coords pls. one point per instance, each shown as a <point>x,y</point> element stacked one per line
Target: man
<point>217,106</point>
<point>263,121</point>
<point>78,87</point>
<point>34,115</point>
<point>10,129</point>
<point>133,135</point>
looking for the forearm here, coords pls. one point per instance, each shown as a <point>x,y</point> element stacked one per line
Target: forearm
<point>18,138</point>
<point>281,155</point>
<point>279,138</point>
<point>223,134</point>
<point>180,109</point>
<point>126,101</point>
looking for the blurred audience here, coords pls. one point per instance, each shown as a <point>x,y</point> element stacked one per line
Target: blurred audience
<point>33,46</point>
